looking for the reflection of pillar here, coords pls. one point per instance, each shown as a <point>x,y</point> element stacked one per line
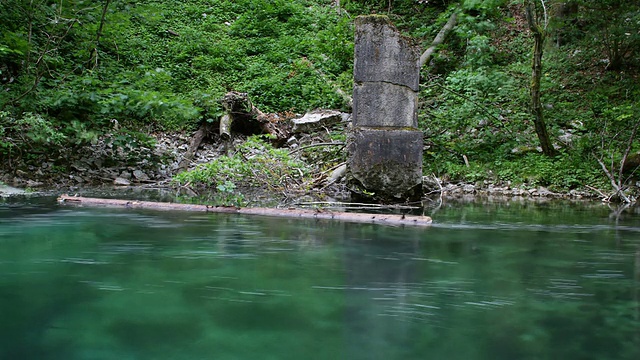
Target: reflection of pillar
<point>385,146</point>
<point>379,279</point>
<point>637,284</point>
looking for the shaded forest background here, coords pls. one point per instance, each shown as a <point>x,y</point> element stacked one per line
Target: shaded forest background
<point>71,70</point>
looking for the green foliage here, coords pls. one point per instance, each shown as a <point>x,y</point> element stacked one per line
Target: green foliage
<point>484,8</point>
<point>166,63</point>
<point>613,25</point>
<point>478,105</point>
<point>227,196</point>
<point>479,113</point>
<point>29,131</point>
<point>562,173</point>
<point>256,164</point>
<point>38,130</point>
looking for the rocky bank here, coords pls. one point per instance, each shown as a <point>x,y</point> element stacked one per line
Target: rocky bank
<point>118,159</point>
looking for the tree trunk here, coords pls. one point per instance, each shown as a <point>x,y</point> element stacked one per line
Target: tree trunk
<point>539,34</point>
<point>426,56</point>
<point>94,53</point>
<point>565,16</point>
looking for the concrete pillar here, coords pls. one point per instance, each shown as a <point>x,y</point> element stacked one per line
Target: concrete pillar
<point>385,145</point>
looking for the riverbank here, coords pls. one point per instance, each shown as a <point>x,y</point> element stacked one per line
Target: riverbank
<point>310,169</point>
<point>94,168</point>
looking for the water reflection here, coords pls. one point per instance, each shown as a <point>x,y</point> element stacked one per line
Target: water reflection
<point>486,282</point>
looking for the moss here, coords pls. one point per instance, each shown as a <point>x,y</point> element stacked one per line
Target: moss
<point>374,19</point>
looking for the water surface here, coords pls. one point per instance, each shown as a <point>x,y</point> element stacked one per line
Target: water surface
<point>487,281</point>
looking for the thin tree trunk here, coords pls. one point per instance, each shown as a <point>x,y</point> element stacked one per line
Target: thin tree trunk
<point>536,104</point>
<point>104,14</point>
<point>539,35</point>
<point>94,53</point>
<point>427,54</point>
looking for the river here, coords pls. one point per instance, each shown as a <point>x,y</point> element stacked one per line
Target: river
<point>552,280</point>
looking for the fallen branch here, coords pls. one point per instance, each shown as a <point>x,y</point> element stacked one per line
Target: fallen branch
<point>196,140</point>
<point>605,198</point>
<point>380,219</point>
<point>316,145</point>
<point>617,187</point>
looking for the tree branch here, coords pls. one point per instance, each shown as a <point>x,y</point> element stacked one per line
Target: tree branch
<point>546,17</point>
<point>614,185</point>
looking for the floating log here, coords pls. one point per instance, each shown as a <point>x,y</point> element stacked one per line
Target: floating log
<point>381,219</point>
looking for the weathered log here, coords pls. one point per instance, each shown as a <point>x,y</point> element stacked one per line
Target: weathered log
<point>241,116</point>
<point>380,219</point>
<point>225,126</point>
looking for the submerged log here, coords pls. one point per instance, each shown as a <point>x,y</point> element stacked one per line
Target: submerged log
<point>381,219</point>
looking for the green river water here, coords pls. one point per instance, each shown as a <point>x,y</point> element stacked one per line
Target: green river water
<point>487,281</point>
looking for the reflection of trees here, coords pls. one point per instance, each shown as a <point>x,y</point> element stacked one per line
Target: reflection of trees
<point>617,214</point>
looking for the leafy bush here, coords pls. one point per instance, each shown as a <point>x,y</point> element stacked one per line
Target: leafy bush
<point>29,132</point>
<point>256,164</point>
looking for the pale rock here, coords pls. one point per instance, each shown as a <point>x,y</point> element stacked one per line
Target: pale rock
<point>121,182</point>
<point>140,175</point>
<point>315,120</point>
<point>34,184</point>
